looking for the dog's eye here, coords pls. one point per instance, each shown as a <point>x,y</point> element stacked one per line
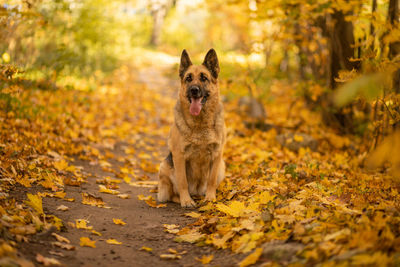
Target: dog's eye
<point>188,78</point>
<point>203,78</point>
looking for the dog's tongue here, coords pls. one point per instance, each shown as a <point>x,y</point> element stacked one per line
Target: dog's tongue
<point>195,106</point>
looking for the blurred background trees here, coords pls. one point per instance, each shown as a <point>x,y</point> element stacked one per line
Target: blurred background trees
<point>316,45</point>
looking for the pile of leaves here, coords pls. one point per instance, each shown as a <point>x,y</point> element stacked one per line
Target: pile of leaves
<point>42,133</point>
<point>288,203</point>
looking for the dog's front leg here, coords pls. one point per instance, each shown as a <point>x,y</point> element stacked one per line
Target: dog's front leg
<point>212,179</point>
<point>180,169</point>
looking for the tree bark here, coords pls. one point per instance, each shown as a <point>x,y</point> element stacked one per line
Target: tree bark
<point>371,27</point>
<point>158,10</point>
<point>342,46</point>
<point>394,48</point>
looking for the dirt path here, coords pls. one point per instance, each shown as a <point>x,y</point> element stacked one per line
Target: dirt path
<point>144,224</point>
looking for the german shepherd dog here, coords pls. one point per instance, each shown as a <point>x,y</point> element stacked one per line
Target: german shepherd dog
<point>194,165</point>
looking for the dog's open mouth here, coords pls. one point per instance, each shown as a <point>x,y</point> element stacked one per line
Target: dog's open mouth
<point>195,105</point>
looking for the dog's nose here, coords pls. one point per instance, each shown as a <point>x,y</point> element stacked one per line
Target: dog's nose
<point>195,91</point>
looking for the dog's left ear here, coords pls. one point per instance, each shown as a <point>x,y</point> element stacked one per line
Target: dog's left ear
<point>211,63</point>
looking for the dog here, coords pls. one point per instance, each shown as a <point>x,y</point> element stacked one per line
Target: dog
<point>195,165</point>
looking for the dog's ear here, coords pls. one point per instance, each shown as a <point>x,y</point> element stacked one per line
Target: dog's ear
<point>185,63</point>
<point>211,63</point>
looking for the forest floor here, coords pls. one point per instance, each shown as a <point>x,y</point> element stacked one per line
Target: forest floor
<point>79,172</point>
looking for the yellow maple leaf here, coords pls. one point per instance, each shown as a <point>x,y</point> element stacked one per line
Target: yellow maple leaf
<point>60,165</point>
<point>35,201</point>
<point>171,228</point>
<point>119,221</point>
<point>266,197</point>
<point>86,242</point>
<point>104,189</point>
<point>83,224</point>
<point>205,259</point>
<point>190,237</point>
<point>252,258</point>
<point>234,209</point>
<point>113,241</point>
<point>89,199</point>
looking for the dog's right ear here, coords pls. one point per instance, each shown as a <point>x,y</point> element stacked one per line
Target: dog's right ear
<point>185,63</point>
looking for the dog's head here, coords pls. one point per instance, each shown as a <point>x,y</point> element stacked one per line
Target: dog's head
<point>199,83</point>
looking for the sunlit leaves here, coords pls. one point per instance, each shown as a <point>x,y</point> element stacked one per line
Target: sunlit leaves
<point>252,258</point>
<point>234,209</point>
<point>171,228</point>
<point>191,237</point>
<point>35,202</point>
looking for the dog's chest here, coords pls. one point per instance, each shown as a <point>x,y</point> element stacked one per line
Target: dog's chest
<point>201,152</point>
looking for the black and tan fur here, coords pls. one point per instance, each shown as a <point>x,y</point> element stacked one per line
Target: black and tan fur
<point>195,165</point>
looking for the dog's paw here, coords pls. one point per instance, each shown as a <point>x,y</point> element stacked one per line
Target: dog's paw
<point>210,197</point>
<point>188,203</point>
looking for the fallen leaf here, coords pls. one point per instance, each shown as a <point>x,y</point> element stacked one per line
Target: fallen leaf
<point>47,261</point>
<point>170,256</point>
<point>146,249</point>
<point>192,214</point>
<point>82,224</point>
<point>119,221</point>
<point>205,259</point>
<point>63,208</point>
<point>89,199</point>
<point>190,237</point>
<point>252,258</point>
<point>144,184</point>
<point>86,242</point>
<point>96,233</point>
<point>235,208</point>
<point>113,241</point>
<point>63,245</point>
<point>124,196</point>
<point>35,202</point>
<point>171,228</point>
<point>60,238</point>
<point>55,253</point>
<point>104,189</point>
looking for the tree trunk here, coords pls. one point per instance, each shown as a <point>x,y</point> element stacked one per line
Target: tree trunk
<point>159,10</point>
<point>342,46</point>
<point>371,27</point>
<point>394,48</point>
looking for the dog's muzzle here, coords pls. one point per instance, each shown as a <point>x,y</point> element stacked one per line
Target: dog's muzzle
<point>197,97</point>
